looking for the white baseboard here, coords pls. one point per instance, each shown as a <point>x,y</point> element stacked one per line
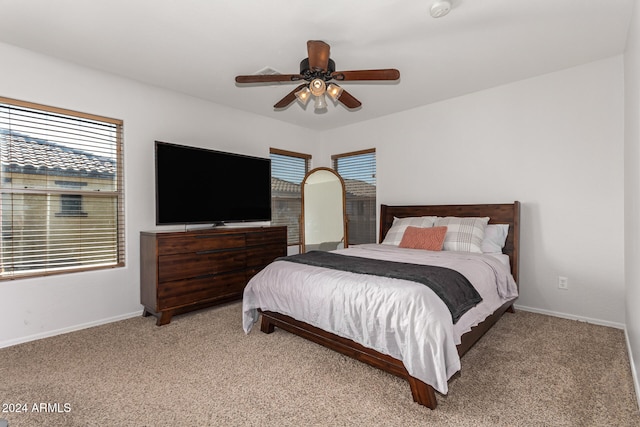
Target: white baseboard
<point>634,372</point>
<point>73,328</point>
<point>571,317</point>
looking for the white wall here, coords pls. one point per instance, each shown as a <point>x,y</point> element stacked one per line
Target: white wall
<point>632,192</point>
<point>34,308</point>
<point>555,143</point>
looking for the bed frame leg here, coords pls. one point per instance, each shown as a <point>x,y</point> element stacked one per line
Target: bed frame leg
<point>423,393</point>
<point>266,326</point>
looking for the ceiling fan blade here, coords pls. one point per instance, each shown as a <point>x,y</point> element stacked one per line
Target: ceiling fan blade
<point>268,78</point>
<point>318,55</point>
<point>348,100</point>
<point>385,74</point>
<point>289,98</point>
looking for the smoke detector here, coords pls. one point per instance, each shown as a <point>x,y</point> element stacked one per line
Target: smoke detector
<point>440,8</point>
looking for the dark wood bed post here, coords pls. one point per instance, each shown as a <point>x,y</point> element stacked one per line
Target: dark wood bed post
<point>515,265</point>
<point>422,393</point>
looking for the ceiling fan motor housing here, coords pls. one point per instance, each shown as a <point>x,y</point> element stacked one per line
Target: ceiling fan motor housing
<point>304,68</point>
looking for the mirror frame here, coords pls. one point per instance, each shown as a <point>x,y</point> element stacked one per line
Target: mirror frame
<point>344,207</point>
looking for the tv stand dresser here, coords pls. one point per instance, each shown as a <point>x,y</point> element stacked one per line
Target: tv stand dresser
<point>186,270</point>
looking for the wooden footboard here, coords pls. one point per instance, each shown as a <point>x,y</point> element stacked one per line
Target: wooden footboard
<point>422,393</point>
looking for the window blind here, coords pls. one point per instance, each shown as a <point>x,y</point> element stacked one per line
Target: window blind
<point>288,169</point>
<point>62,198</point>
<point>358,170</point>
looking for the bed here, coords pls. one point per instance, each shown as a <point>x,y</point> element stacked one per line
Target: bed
<point>393,323</point>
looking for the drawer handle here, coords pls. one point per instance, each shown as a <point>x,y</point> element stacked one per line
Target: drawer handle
<point>213,236</point>
<point>213,251</point>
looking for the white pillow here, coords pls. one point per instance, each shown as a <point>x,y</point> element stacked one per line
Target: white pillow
<point>395,233</point>
<point>464,234</point>
<point>495,237</point>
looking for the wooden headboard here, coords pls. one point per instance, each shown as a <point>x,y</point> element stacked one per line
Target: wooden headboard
<point>508,213</point>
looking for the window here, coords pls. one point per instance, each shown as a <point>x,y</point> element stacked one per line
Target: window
<point>61,191</point>
<point>358,170</point>
<point>71,205</point>
<point>287,172</point>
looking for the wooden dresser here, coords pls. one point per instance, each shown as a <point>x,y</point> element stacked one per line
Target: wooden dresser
<point>186,270</point>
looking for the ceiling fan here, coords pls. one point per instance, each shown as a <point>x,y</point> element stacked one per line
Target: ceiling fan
<point>319,73</point>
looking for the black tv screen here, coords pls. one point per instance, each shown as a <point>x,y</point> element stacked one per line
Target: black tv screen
<point>199,186</point>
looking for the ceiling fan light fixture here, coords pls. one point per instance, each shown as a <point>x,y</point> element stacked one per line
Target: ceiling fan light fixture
<point>334,91</point>
<point>303,95</point>
<point>320,102</point>
<point>440,8</point>
<point>317,87</point>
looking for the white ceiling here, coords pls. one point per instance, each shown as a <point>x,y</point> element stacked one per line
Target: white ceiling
<point>197,47</point>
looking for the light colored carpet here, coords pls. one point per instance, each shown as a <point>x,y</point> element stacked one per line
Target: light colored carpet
<point>202,370</point>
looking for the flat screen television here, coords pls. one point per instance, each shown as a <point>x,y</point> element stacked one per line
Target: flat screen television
<point>202,186</point>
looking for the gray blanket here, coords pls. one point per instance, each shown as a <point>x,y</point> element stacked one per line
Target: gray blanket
<point>453,288</point>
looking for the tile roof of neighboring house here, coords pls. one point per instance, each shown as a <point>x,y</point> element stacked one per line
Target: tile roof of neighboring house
<point>353,187</point>
<point>359,188</point>
<point>281,186</point>
<point>39,156</point>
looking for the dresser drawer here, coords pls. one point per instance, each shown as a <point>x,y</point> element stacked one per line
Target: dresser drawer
<point>268,237</point>
<point>190,265</point>
<point>184,292</point>
<point>199,243</point>
<point>261,256</point>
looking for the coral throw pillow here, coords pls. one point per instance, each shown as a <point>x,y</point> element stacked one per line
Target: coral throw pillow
<point>430,239</point>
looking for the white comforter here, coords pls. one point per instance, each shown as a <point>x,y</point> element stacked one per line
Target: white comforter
<point>403,319</point>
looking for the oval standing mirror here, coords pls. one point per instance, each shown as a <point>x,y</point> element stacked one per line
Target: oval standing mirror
<point>323,221</point>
